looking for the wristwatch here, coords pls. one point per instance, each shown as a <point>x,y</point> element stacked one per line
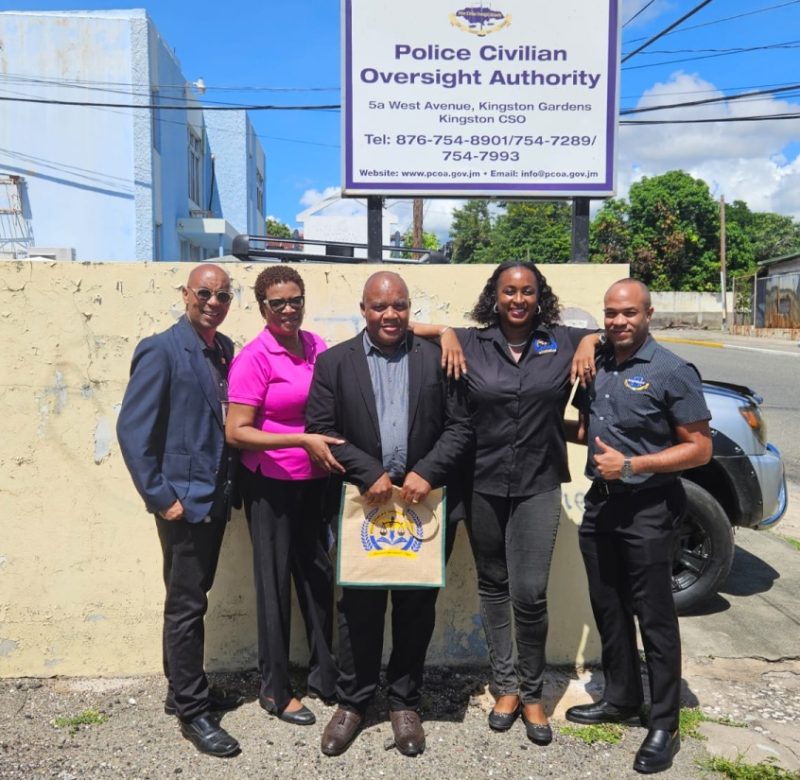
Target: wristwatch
<point>627,469</point>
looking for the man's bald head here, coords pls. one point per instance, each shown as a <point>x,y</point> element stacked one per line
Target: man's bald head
<point>383,279</point>
<point>206,312</point>
<point>199,272</point>
<point>387,309</point>
<point>641,287</point>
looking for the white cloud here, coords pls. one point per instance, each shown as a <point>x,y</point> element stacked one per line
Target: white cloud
<point>741,160</point>
<point>312,197</point>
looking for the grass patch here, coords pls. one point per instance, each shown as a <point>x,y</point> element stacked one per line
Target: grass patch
<point>690,720</point>
<point>608,733</point>
<point>741,770</point>
<point>74,722</point>
<point>794,542</point>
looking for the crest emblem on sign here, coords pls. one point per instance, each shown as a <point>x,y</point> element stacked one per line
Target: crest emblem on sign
<point>479,20</point>
<point>394,533</point>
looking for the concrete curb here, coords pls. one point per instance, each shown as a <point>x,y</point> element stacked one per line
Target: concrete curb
<point>720,345</point>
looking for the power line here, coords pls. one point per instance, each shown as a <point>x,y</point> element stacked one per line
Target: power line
<point>158,107</point>
<point>706,101</point>
<point>640,11</point>
<point>759,118</point>
<point>666,30</point>
<point>726,19</point>
<point>788,45</point>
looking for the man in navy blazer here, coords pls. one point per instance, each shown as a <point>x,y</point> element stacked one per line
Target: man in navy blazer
<point>385,394</point>
<point>171,431</point>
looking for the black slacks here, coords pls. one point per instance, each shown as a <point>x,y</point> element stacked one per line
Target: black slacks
<point>290,542</point>
<point>361,620</point>
<point>191,552</point>
<point>627,542</point>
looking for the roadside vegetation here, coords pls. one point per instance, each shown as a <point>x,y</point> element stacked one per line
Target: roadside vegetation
<point>74,722</point>
<point>740,770</point>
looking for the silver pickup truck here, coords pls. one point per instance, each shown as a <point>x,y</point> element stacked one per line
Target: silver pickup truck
<point>743,485</point>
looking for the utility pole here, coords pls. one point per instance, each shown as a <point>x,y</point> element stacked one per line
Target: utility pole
<point>723,269</point>
<point>416,234</point>
<point>374,228</point>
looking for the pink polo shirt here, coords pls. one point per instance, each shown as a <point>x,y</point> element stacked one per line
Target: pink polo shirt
<point>276,382</point>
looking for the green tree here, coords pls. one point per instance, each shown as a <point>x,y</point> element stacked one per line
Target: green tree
<point>278,229</point>
<point>540,231</point>
<point>610,234</point>
<point>769,234</point>
<point>674,228</point>
<point>429,242</point>
<point>470,230</point>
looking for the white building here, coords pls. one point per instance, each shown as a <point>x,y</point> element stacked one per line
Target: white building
<point>124,182</point>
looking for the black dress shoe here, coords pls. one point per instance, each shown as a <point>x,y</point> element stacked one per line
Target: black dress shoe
<point>340,732</point>
<point>301,717</point>
<point>209,737</point>
<point>409,736</point>
<point>603,712</point>
<point>657,751</point>
<point>538,733</point>
<point>218,701</point>
<point>502,721</point>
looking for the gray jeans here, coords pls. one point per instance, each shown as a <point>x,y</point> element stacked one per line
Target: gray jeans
<point>512,541</point>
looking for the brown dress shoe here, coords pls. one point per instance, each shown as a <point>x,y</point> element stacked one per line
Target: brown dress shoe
<point>340,732</point>
<point>409,737</point>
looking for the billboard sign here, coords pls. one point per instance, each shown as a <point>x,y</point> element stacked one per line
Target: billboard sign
<point>515,98</point>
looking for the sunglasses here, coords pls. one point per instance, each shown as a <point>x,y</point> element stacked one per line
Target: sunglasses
<point>279,304</point>
<point>205,295</point>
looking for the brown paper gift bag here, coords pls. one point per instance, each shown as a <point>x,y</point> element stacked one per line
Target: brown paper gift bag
<point>395,545</point>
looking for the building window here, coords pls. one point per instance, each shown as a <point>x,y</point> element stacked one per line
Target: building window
<point>157,238</point>
<point>155,122</point>
<point>195,167</point>
<point>260,191</point>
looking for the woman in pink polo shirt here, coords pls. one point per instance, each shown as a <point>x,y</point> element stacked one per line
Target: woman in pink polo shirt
<point>283,477</point>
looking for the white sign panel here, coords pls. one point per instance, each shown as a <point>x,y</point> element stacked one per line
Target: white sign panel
<point>509,98</point>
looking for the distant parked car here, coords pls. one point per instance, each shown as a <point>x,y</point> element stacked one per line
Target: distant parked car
<point>743,485</point>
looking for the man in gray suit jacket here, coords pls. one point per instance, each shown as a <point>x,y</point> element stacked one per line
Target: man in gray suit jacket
<point>171,433</point>
<point>385,394</point>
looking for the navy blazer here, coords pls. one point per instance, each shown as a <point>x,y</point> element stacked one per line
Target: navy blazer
<point>341,403</point>
<point>170,427</point>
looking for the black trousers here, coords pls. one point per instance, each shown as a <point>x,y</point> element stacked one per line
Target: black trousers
<point>361,620</point>
<point>191,552</point>
<point>289,542</point>
<point>627,541</point>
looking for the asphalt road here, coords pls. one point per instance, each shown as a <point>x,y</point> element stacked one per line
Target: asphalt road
<point>771,373</point>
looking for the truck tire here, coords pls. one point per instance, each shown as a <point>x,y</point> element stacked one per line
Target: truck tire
<point>703,550</point>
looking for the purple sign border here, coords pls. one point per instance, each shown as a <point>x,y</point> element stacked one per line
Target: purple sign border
<point>358,188</point>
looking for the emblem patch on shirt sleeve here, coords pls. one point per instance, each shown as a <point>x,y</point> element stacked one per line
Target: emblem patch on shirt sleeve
<point>636,383</point>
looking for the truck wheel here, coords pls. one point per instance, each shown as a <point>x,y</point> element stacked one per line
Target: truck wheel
<point>703,551</point>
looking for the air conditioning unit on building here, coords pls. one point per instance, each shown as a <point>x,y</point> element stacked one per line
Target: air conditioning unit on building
<point>51,253</point>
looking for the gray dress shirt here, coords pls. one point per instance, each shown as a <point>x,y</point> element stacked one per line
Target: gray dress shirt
<point>389,376</point>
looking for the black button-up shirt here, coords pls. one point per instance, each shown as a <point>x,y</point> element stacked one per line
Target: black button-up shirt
<point>635,406</point>
<point>518,408</point>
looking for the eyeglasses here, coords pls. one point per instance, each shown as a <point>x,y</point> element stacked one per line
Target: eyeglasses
<point>205,295</point>
<point>279,304</point>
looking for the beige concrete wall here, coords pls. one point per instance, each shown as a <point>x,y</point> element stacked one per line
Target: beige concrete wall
<point>80,587</point>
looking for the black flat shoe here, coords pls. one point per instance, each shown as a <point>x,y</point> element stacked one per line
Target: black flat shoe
<point>209,737</point>
<point>502,721</point>
<point>218,701</point>
<point>301,717</point>
<point>603,712</point>
<point>657,751</point>
<point>538,733</point>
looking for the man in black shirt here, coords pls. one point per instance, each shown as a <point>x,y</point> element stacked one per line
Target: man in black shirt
<point>646,422</point>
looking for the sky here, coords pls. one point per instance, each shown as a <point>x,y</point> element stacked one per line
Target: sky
<point>288,54</point>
